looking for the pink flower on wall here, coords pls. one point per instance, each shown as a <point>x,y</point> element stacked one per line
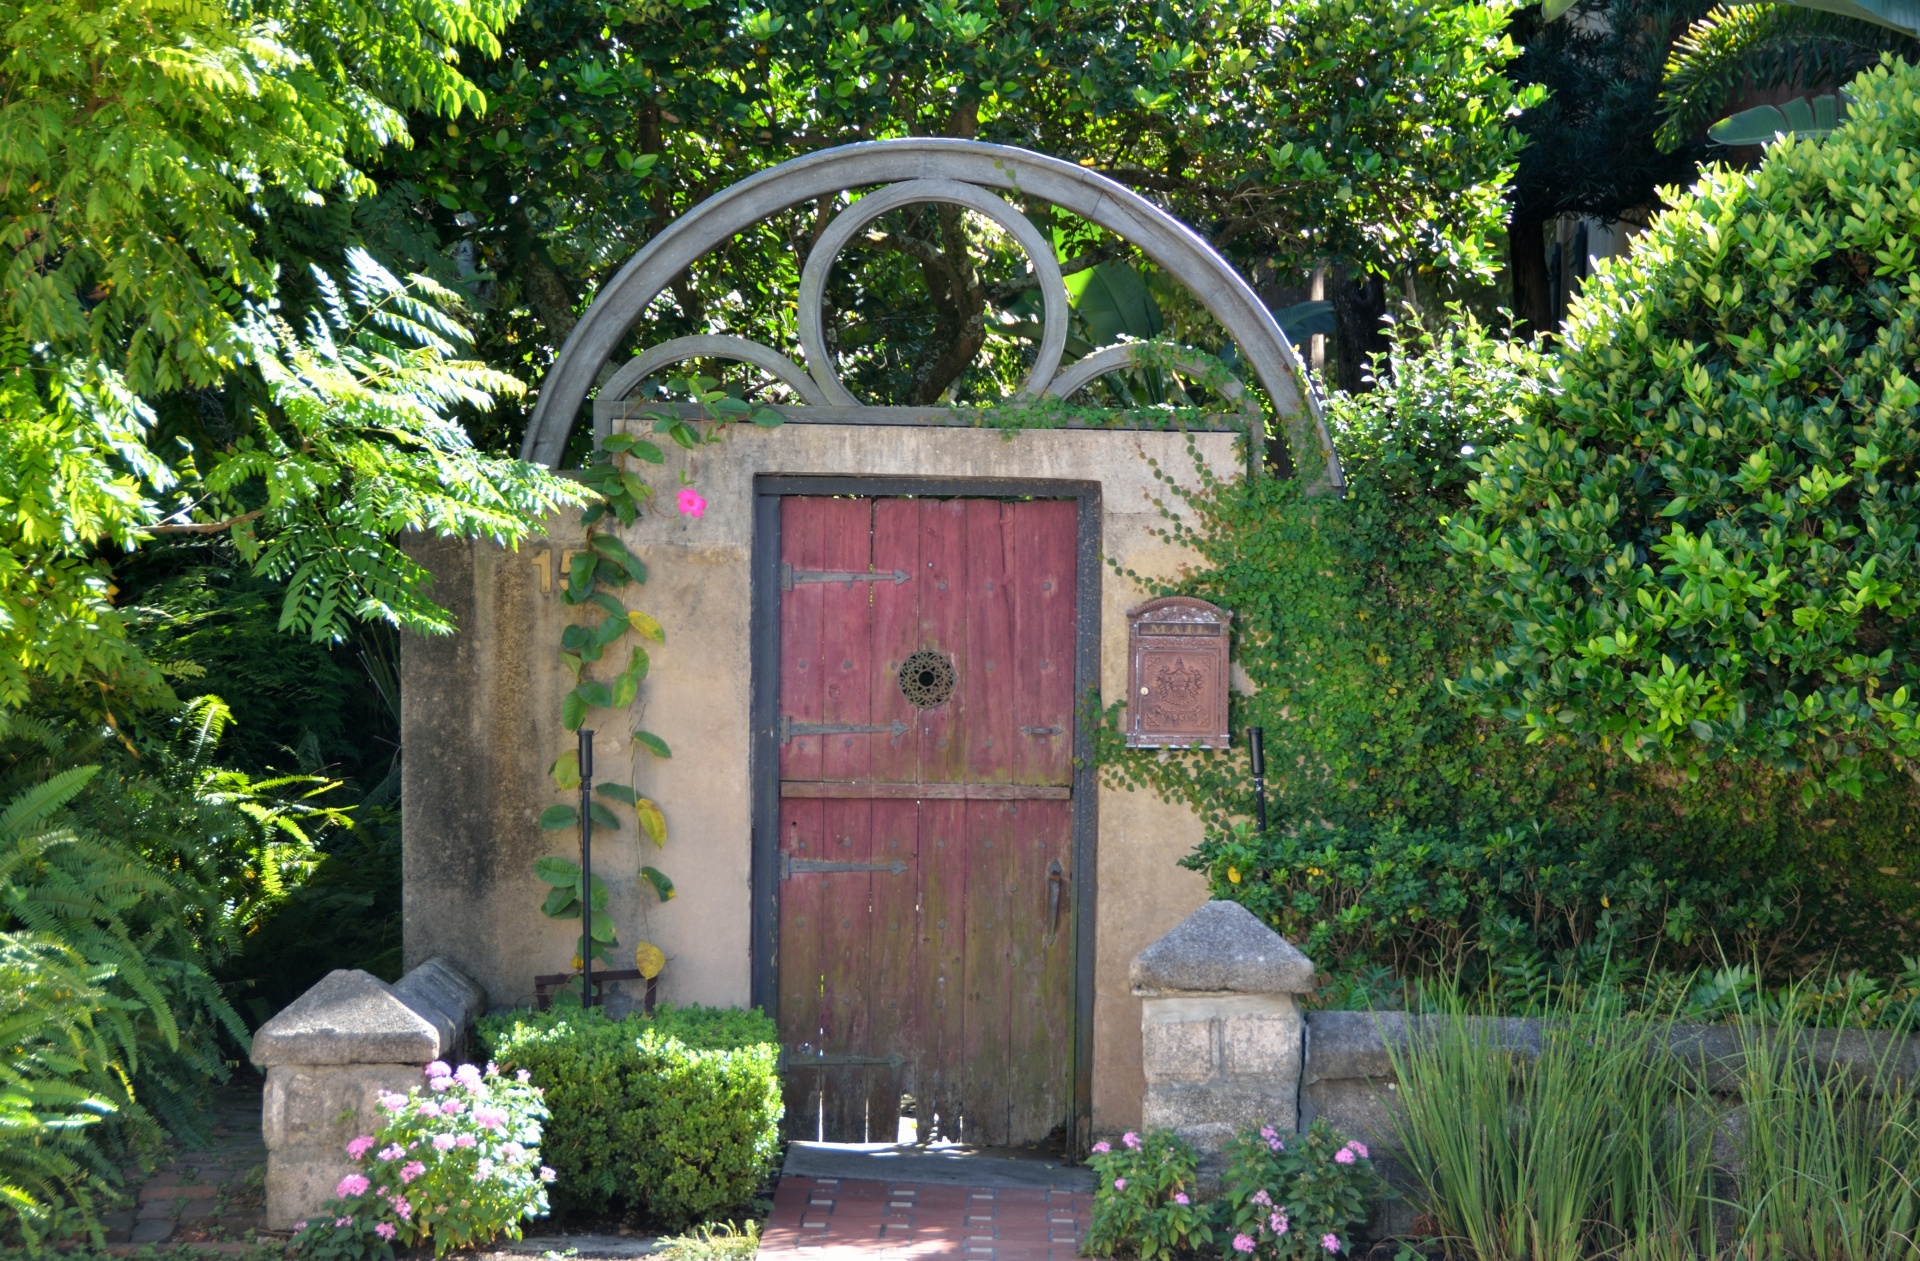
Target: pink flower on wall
<point>692,503</point>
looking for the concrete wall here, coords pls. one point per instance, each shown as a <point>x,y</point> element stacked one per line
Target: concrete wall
<point>480,724</point>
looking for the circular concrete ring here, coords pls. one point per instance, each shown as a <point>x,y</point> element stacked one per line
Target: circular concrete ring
<point>608,403</point>
<point>1039,250</point>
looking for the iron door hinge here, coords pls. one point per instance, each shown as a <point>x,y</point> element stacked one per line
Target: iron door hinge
<point>791,866</point>
<point>791,577</point>
<point>789,729</point>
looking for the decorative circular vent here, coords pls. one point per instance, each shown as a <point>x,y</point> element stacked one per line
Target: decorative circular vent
<point>926,679</point>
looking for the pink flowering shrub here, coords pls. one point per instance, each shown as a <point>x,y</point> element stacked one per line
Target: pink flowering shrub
<point>1143,1204</point>
<point>1290,1197</point>
<point>457,1164</point>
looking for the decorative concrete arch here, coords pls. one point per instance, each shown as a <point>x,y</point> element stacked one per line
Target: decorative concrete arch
<point>956,171</point>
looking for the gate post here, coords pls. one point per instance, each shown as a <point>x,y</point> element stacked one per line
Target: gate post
<point>331,1053</point>
<point>1220,1032</point>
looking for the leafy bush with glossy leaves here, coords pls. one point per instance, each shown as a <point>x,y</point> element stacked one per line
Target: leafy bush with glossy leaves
<point>1704,539</point>
<point>1412,837</point>
<point>674,1116</point>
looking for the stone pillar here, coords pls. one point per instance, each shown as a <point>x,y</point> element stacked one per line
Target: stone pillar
<point>331,1054</point>
<point>1220,1031</point>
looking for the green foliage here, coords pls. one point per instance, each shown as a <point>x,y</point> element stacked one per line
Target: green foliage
<point>1703,538</point>
<point>1413,837</point>
<point>1287,1194</point>
<point>139,139</point>
<point>1740,48</point>
<point>1825,1158</point>
<point>63,1035</point>
<point>1593,1139</point>
<point>1146,1202</point>
<point>675,1117</point>
<point>1375,134</point>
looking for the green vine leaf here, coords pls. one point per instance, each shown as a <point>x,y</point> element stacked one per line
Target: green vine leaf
<point>573,710</point>
<point>573,638</point>
<point>652,822</point>
<point>618,792</point>
<point>647,625</point>
<point>580,577</point>
<point>562,873</point>
<point>553,818</point>
<point>652,743</point>
<point>767,418</point>
<point>615,625</point>
<point>661,885</point>
<point>625,687</point>
<point>605,818</point>
<point>638,663</point>
<point>644,450</point>
<point>566,770</point>
<point>571,660</point>
<point>561,903</point>
<point>608,603</point>
<point>592,692</point>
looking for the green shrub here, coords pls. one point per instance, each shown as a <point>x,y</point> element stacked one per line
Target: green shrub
<point>675,1117</point>
<point>1705,538</point>
<point>1413,837</point>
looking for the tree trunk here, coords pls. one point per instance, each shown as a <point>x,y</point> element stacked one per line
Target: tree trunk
<point>1359,304</point>
<point>1527,261</point>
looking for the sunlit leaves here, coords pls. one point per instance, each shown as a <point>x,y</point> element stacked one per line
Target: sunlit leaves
<point>1706,540</point>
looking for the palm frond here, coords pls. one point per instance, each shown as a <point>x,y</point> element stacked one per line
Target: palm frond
<point>1738,48</point>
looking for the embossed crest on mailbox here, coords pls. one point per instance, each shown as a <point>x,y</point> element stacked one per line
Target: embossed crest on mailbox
<point>1177,656</point>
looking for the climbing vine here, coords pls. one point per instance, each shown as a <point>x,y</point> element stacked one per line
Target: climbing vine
<point>610,633</point>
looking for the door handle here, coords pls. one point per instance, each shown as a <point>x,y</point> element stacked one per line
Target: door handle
<point>1056,884</point>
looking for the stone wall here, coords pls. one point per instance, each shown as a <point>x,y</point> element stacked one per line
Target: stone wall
<point>330,1055</point>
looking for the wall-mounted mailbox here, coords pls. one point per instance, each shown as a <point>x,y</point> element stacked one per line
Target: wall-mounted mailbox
<point>1177,659</point>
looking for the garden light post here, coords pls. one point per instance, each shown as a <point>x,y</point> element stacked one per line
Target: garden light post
<point>1257,755</point>
<point>586,868</point>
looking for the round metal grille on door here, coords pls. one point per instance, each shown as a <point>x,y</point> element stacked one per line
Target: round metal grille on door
<point>926,679</point>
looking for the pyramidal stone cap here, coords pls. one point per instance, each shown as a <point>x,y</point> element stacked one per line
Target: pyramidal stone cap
<point>349,1017</point>
<point>1222,948</point>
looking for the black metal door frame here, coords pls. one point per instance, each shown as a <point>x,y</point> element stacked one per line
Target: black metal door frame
<point>763,765</point>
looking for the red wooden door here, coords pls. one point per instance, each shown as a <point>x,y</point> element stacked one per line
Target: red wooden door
<point>925,943</point>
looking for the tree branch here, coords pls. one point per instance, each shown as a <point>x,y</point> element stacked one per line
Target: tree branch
<point>205,527</point>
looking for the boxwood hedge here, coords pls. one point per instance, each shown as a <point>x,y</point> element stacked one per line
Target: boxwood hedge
<point>673,1117</point>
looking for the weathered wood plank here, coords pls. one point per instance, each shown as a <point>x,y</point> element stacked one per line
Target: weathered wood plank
<point>940,1079</point>
<point>1043,600</point>
<point>1040,970</point>
<point>925,792</point>
<point>802,963</point>
<point>990,647</point>
<point>989,991</point>
<point>942,603</point>
<point>802,529</point>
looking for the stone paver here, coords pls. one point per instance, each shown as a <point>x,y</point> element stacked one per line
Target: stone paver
<point>862,1219</point>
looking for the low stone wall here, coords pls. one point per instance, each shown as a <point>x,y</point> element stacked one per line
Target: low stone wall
<point>332,1053</point>
<point>1226,1046</point>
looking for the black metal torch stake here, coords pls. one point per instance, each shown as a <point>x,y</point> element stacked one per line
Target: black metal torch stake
<point>1257,755</point>
<point>586,868</point>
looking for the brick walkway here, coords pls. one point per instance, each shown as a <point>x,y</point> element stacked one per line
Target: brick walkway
<point>859,1219</point>
<point>210,1197</point>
